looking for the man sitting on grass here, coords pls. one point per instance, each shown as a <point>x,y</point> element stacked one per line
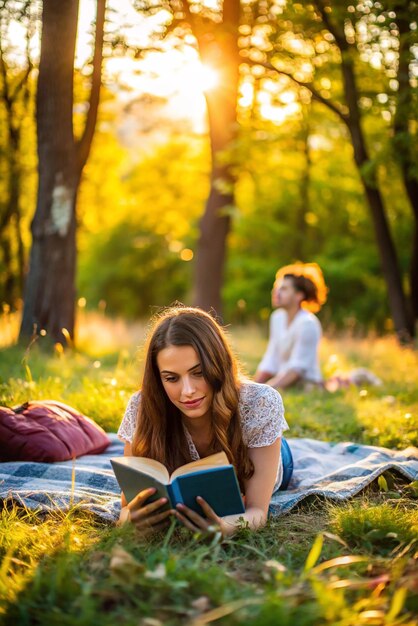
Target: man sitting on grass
<point>291,357</point>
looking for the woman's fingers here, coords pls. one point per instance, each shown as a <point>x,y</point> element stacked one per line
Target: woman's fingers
<point>197,519</point>
<point>147,531</point>
<point>141,514</point>
<point>161,526</point>
<point>206,528</point>
<point>144,517</point>
<point>141,497</point>
<point>184,520</point>
<point>195,522</point>
<point>207,509</point>
<point>153,506</point>
<point>138,518</point>
<point>147,509</point>
<point>209,524</point>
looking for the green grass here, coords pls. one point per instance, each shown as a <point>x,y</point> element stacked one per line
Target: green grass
<point>67,569</point>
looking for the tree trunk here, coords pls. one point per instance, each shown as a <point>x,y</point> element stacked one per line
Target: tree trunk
<point>218,49</point>
<point>403,139</point>
<point>50,286</point>
<point>387,251</point>
<point>413,272</point>
<point>15,181</point>
<point>14,93</point>
<point>388,257</point>
<point>299,247</point>
<point>8,291</point>
<point>21,257</point>
<point>411,187</point>
<point>211,249</point>
<point>12,215</point>
<point>11,221</point>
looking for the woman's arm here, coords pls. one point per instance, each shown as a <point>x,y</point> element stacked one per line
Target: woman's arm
<point>259,487</point>
<point>258,492</point>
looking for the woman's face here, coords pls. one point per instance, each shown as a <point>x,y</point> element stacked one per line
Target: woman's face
<point>182,378</point>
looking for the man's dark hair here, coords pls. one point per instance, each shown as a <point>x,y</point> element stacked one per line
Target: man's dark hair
<point>305,286</point>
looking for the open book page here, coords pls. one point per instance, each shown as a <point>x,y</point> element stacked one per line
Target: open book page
<point>152,468</point>
<point>214,460</point>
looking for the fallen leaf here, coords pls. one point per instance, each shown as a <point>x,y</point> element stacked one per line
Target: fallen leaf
<point>123,565</point>
<point>158,573</point>
<point>201,604</point>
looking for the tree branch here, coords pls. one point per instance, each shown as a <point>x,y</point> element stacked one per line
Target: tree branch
<point>334,107</point>
<point>84,144</point>
<point>20,84</point>
<point>3,71</point>
<point>231,12</point>
<point>190,17</point>
<point>338,34</point>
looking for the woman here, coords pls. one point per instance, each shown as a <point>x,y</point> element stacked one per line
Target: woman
<point>194,403</point>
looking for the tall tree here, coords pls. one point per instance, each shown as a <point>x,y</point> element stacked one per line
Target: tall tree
<point>49,301</point>
<point>304,204</point>
<point>389,29</point>
<point>328,21</point>
<point>405,133</point>
<point>15,100</point>
<point>218,48</point>
<point>216,33</point>
<point>226,33</point>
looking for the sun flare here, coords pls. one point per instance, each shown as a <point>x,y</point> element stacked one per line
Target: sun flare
<point>206,78</point>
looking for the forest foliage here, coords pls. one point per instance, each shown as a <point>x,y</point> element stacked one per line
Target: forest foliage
<point>298,193</point>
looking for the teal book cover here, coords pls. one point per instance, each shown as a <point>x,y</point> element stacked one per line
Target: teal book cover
<point>213,478</point>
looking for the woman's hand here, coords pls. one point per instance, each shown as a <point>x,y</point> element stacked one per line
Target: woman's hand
<point>145,517</point>
<point>209,525</point>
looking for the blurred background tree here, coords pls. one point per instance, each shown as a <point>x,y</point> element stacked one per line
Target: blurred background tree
<point>285,182</point>
<point>49,295</point>
<point>17,161</point>
<point>294,40</point>
<point>325,48</point>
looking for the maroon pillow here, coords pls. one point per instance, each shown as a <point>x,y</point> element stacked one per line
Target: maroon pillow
<point>48,431</point>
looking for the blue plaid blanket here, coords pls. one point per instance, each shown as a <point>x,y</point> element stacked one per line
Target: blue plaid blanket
<point>333,470</point>
<point>338,471</point>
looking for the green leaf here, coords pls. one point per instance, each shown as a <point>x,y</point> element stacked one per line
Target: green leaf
<point>27,372</point>
<point>381,481</point>
<point>398,602</point>
<point>314,553</point>
<point>413,488</point>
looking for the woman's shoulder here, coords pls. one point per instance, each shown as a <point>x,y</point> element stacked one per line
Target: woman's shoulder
<point>262,414</point>
<point>258,396</point>
<point>135,398</point>
<point>128,424</point>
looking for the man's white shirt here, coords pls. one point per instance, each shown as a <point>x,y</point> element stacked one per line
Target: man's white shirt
<point>294,346</point>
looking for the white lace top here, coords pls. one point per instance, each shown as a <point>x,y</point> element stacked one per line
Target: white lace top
<point>262,420</point>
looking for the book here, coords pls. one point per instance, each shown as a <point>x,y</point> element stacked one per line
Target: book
<point>213,478</point>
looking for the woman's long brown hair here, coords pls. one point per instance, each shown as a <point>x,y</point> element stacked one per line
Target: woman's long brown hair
<point>159,433</point>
